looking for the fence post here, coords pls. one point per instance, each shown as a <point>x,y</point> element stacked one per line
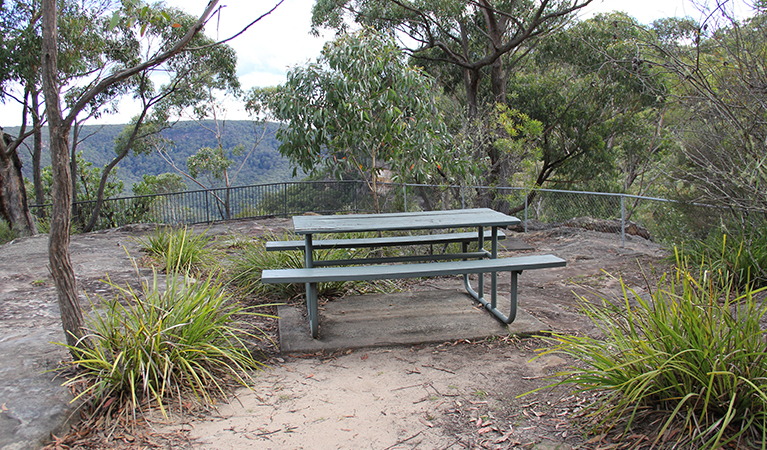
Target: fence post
<point>623,222</point>
<point>404,194</point>
<point>285,199</point>
<point>525,212</point>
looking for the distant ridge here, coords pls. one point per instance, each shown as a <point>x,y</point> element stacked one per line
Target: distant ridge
<point>265,164</point>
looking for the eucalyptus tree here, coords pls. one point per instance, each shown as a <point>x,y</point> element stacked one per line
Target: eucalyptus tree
<point>360,107</point>
<point>60,121</point>
<point>719,71</point>
<point>193,76</point>
<point>86,47</point>
<point>477,36</point>
<point>590,87</point>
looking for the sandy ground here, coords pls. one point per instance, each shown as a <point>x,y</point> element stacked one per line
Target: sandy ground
<point>452,395</point>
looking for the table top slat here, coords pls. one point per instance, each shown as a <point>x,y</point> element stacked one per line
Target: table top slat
<point>347,223</point>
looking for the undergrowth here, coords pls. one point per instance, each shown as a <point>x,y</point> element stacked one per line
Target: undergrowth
<point>163,346</point>
<point>179,248</point>
<point>694,354</point>
<point>245,267</point>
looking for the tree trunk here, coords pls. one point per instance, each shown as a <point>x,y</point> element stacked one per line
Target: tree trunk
<point>58,241</point>
<point>37,152</point>
<point>13,194</point>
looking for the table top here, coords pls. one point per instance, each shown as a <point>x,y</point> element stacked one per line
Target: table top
<point>456,218</point>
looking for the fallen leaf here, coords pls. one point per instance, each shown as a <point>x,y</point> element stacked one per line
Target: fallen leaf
<point>4,408</point>
<point>484,430</point>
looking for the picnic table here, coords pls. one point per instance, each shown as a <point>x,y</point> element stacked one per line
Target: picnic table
<point>487,223</point>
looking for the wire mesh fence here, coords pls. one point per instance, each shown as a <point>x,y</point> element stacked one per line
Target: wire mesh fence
<point>648,217</point>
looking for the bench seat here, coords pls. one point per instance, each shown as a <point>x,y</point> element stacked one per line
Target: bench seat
<point>386,241</point>
<point>431,269</point>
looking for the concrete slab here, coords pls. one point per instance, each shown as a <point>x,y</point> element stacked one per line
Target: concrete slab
<point>407,318</point>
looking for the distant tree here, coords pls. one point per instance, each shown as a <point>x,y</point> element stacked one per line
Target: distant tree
<point>359,108</point>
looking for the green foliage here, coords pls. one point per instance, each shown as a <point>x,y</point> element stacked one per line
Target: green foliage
<point>164,183</point>
<point>692,357</point>
<point>163,343</point>
<point>519,146</point>
<point>179,250</point>
<point>245,267</point>
<point>743,255</point>
<point>213,162</point>
<point>358,108</point>
<point>6,232</point>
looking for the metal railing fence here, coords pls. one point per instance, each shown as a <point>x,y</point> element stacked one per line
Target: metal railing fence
<point>620,213</point>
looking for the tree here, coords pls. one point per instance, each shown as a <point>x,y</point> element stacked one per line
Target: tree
<point>589,87</point>
<point>358,108</point>
<point>194,75</point>
<point>85,49</point>
<point>720,74</point>
<point>13,195</point>
<point>474,36</point>
<point>59,129</point>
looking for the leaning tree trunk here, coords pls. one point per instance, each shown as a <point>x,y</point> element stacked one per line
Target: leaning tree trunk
<point>13,194</point>
<point>58,241</point>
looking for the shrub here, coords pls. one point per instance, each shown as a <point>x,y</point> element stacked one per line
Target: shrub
<point>179,250</point>
<point>149,347</point>
<point>695,354</point>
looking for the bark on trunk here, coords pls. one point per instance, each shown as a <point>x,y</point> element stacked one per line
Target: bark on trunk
<point>13,193</point>
<point>58,241</point>
<point>37,152</point>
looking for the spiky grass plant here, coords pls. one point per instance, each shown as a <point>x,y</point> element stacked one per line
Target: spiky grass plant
<point>694,354</point>
<point>744,255</point>
<point>179,250</point>
<point>245,267</point>
<point>164,345</point>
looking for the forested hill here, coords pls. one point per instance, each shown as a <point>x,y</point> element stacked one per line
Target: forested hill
<point>265,164</point>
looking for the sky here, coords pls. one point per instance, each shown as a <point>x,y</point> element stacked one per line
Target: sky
<point>281,40</point>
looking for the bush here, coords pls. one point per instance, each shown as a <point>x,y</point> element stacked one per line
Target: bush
<point>695,354</point>
<point>179,250</point>
<point>152,346</point>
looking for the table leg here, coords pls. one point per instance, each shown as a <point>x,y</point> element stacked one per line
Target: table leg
<point>311,288</point>
<point>492,305</point>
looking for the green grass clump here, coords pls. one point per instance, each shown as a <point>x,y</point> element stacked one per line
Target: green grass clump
<point>245,267</point>
<point>149,348</point>
<point>6,232</point>
<point>179,250</point>
<point>743,255</point>
<point>695,355</point>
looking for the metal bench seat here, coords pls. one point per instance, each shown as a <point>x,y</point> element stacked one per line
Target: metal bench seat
<point>385,241</point>
<point>515,265</point>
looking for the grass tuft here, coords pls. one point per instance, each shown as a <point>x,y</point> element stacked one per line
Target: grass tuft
<point>179,250</point>
<point>694,354</point>
<point>245,267</point>
<point>161,346</point>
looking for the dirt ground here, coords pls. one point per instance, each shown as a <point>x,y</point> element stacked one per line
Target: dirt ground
<point>451,395</point>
